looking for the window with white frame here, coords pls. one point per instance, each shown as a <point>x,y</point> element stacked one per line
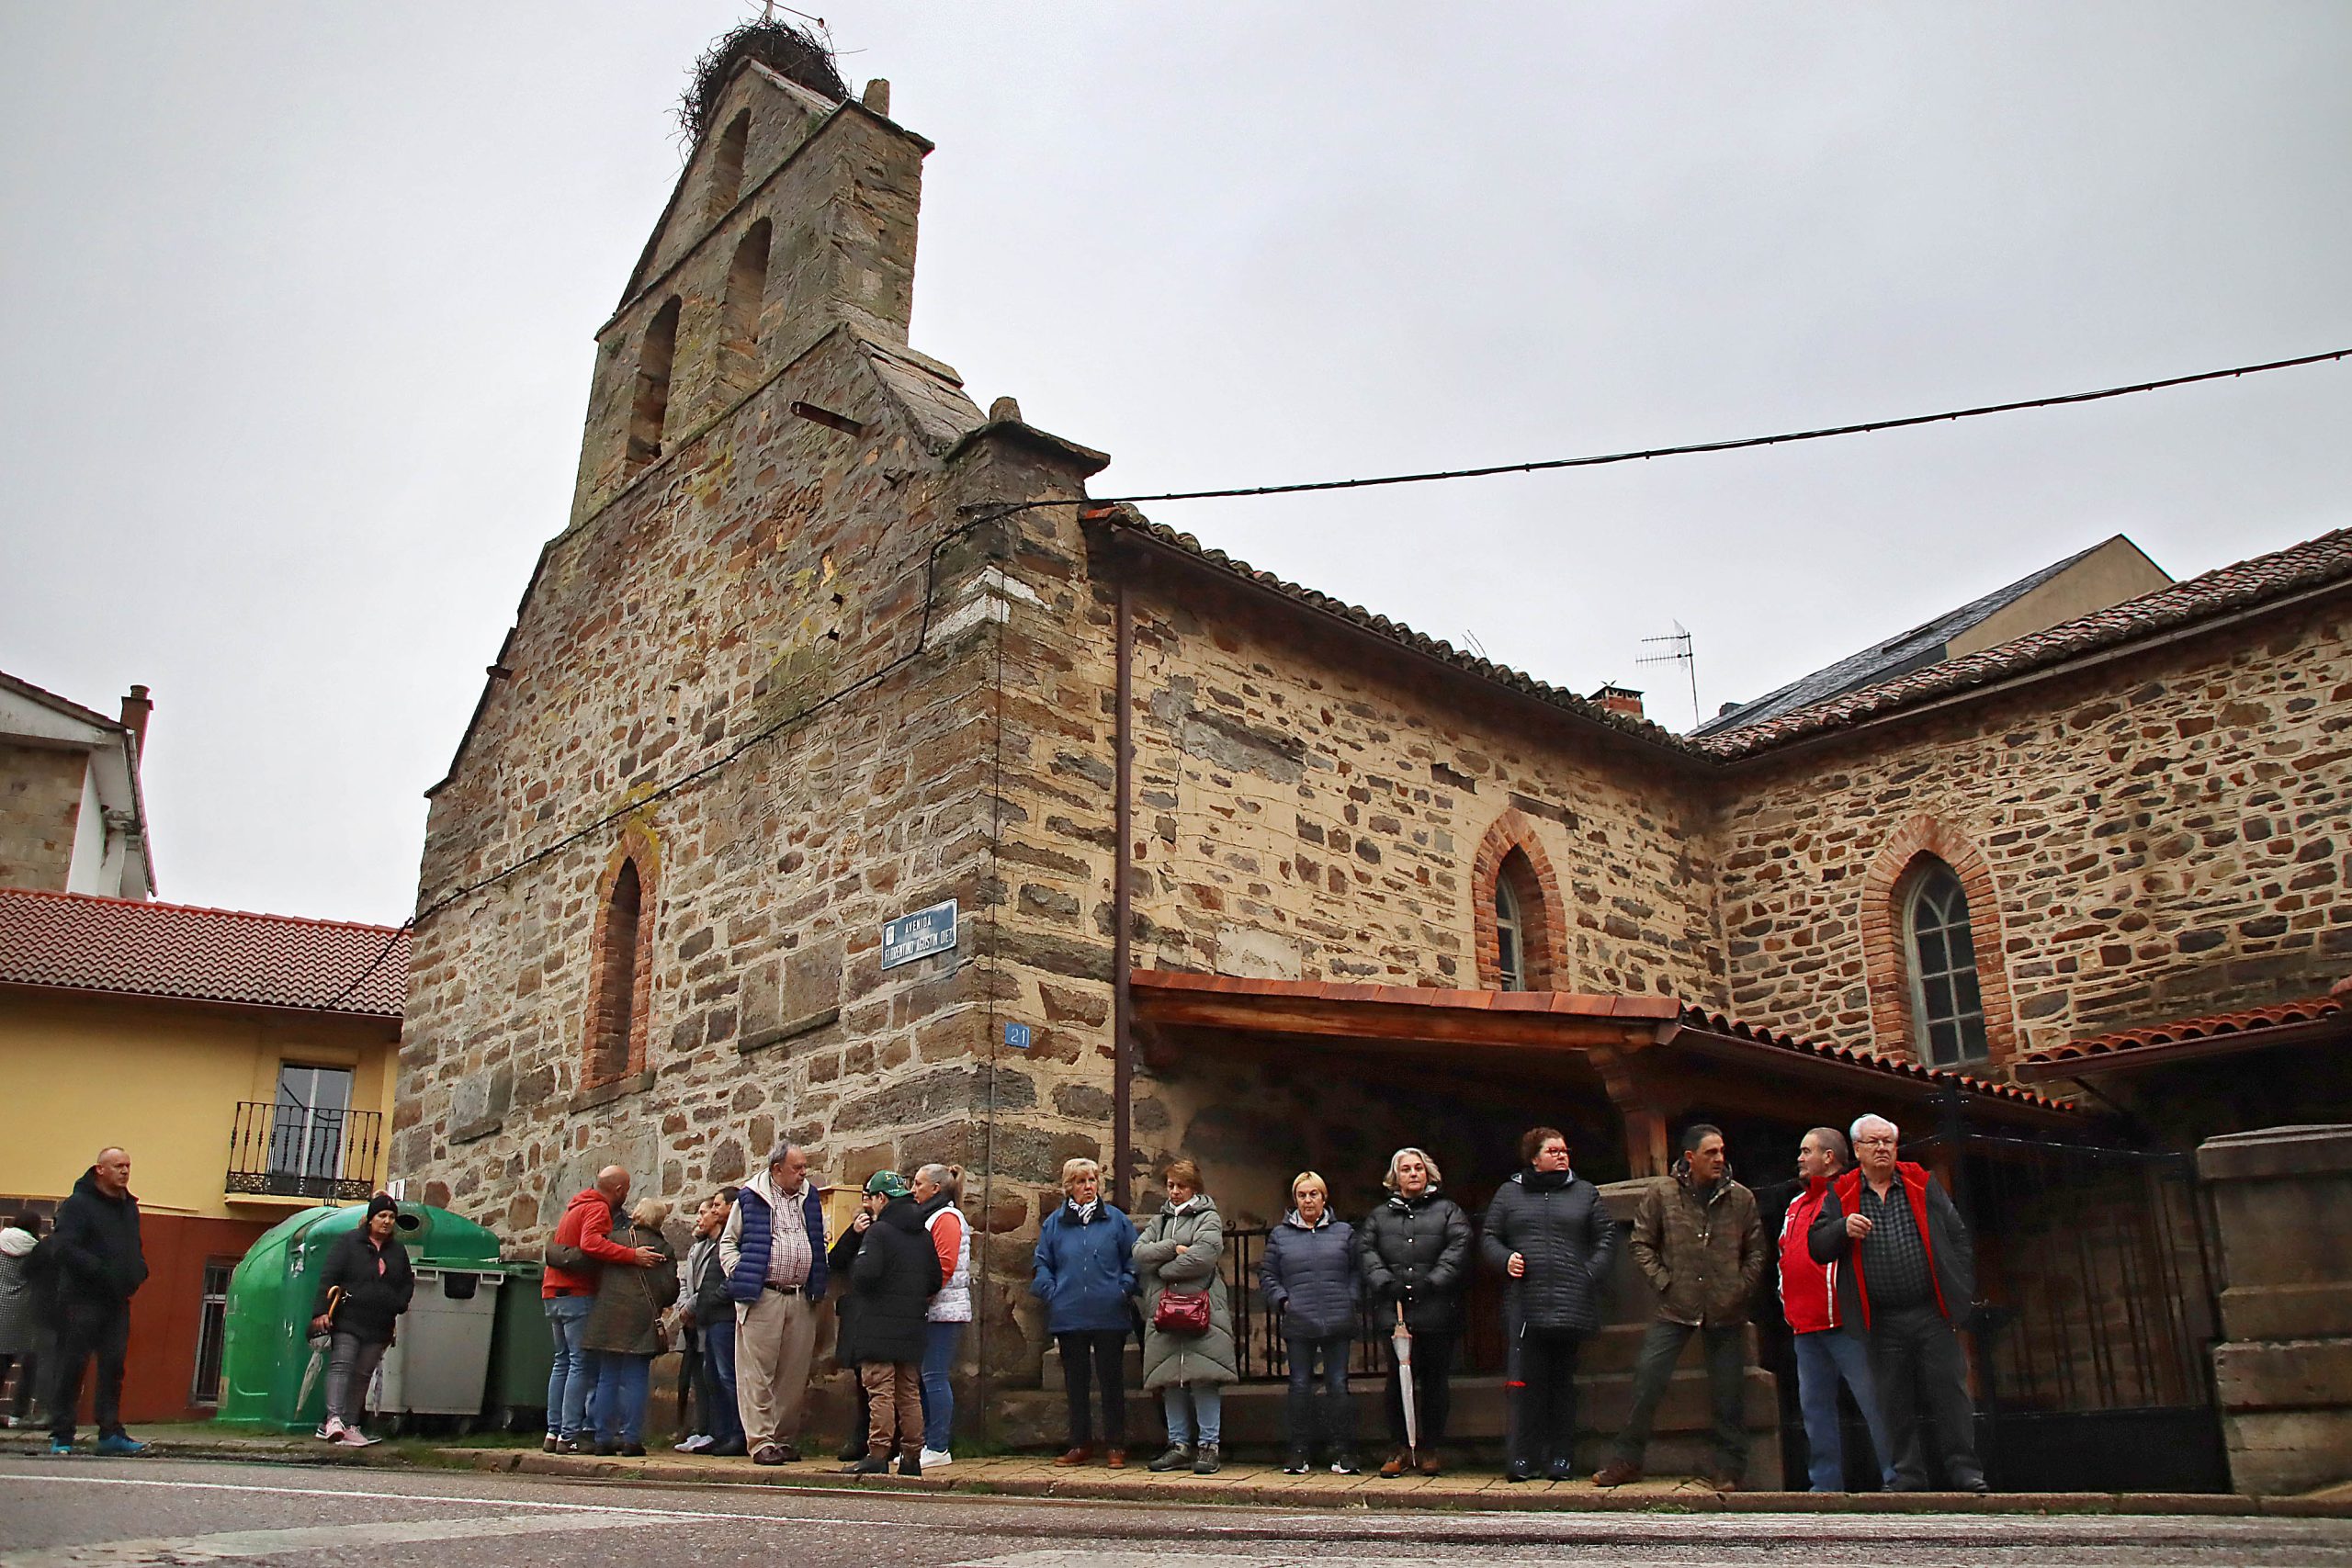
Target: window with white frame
<point>1947,1006</point>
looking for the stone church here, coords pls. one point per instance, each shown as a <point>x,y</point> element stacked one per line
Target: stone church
<point>1245,873</point>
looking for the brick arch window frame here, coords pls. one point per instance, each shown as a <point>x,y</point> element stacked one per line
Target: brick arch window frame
<point>1894,872</point>
<point>599,1065</point>
<point>1542,923</point>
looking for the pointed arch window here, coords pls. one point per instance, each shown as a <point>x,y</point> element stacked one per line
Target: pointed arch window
<point>1511,953</point>
<point>650,409</point>
<point>612,1014</point>
<point>727,165</point>
<point>747,287</point>
<point>1947,1003</point>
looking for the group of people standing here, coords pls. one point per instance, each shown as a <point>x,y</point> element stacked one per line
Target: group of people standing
<point>746,1311</point>
<point>1875,1271</point>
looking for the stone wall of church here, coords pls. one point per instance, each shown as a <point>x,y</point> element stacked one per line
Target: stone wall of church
<point>662,634</point>
<point>2160,837</point>
<point>1309,806</point>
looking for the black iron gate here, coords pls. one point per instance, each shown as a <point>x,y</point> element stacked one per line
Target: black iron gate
<point>2092,1361</point>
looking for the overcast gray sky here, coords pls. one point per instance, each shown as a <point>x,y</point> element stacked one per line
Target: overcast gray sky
<point>301,301</point>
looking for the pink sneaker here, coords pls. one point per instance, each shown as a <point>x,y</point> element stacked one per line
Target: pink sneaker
<point>333,1429</point>
<point>353,1437</point>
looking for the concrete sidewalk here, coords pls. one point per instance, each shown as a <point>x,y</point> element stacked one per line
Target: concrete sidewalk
<point>1026,1475</point>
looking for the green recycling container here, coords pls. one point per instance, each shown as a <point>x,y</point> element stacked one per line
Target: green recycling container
<point>270,1375</point>
<point>521,1351</point>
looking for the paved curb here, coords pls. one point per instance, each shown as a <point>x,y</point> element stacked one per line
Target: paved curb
<point>1465,1493</point>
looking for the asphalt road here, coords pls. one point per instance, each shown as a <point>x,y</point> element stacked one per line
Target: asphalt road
<point>89,1513</point>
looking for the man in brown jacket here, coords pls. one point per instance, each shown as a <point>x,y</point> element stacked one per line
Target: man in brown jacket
<point>1698,1238</point>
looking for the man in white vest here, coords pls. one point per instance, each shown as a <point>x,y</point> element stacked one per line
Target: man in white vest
<point>937,1190</point>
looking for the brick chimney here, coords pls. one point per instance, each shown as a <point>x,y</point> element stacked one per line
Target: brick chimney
<point>135,709</point>
<point>1620,699</point>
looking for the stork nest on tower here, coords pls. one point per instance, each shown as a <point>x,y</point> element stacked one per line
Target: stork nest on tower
<point>792,52</point>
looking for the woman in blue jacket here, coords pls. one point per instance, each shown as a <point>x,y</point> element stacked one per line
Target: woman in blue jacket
<point>1084,1273</point>
<point>1309,1277</point>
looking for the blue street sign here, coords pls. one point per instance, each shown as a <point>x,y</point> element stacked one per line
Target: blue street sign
<point>918,935</point>
<point>1017,1036</point>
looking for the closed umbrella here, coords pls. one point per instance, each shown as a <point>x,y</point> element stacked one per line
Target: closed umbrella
<point>1403,1341</point>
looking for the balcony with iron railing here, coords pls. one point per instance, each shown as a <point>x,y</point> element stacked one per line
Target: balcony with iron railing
<point>289,1151</point>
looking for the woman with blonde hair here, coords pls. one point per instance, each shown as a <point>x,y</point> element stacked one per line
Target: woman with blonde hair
<point>1308,1279</point>
<point>1188,1350</point>
<point>1083,1271</point>
<point>938,1189</point>
<point>1414,1254</point>
<point>623,1332</point>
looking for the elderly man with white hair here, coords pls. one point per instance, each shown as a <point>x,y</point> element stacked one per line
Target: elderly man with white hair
<point>1909,1278</point>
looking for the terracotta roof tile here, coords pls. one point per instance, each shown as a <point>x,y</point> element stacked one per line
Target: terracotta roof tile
<point>2180,1031</point>
<point>78,942</point>
<point>1904,1066</point>
<point>2244,585</point>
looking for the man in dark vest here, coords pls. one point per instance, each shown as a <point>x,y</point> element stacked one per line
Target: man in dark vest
<point>99,1268</point>
<point>1908,1279</point>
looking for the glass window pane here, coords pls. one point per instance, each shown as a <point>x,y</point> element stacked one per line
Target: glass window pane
<point>1931,952</point>
<point>1972,1045</point>
<point>1943,1044</point>
<point>1938,995</point>
<point>1964,990</point>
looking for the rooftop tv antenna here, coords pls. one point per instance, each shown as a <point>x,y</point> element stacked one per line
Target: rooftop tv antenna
<point>1679,651</point>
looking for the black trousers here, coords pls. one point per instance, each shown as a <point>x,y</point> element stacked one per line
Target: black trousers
<point>1433,1389</point>
<point>1327,1421</point>
<point>1096,1357</point>
<point>1922,1383</point>
<point>1543,1388</point>
<point>87,1330</point>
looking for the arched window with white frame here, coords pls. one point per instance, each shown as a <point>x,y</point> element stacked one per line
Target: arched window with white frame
<point>1947,1003</point>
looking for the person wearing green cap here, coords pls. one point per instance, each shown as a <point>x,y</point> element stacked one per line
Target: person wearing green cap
<point>893,1280</point>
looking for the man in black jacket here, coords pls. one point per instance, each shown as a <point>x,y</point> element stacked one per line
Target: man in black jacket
<point>99,1267</point>
<point>1907,1278</point>
<point>893,1280</point>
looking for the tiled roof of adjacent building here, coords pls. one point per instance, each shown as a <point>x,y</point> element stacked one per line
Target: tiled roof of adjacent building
<point>75,942</point>
<point>2151,1039</point>
<point>2244,585</point>
<point>1398,632</point>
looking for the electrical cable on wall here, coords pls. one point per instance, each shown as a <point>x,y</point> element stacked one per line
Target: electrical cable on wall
<point>1533,465</point>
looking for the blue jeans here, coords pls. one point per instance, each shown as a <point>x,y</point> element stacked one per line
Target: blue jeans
<point>939,1343</point>
<point>621,1381</point>
<point>1821,1359</point>
<point>567,1376</point>
<point>723,1422</point>
<point>1186,1401</point>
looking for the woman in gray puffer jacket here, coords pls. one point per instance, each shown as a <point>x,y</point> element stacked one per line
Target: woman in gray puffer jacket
<point>1310,1277</point>
<point>1180,1251</point>
<point>1548,1230</point>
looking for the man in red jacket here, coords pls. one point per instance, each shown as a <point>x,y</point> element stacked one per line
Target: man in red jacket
<point>1907,1277</point>
<point>568,1289</point>
<point>1825,1355</point>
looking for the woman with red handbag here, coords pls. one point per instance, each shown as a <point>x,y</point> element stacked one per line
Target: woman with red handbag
<point>1188,1351</point>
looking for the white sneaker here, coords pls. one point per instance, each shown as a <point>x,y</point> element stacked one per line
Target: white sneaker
<point>935,1459</point>
<point>696,1443</point>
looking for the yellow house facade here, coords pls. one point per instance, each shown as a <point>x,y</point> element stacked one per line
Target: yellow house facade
<point>246,1063</point>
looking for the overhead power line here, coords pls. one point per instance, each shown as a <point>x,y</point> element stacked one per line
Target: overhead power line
<point>1541,464</point>
<point>1736,444</point>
